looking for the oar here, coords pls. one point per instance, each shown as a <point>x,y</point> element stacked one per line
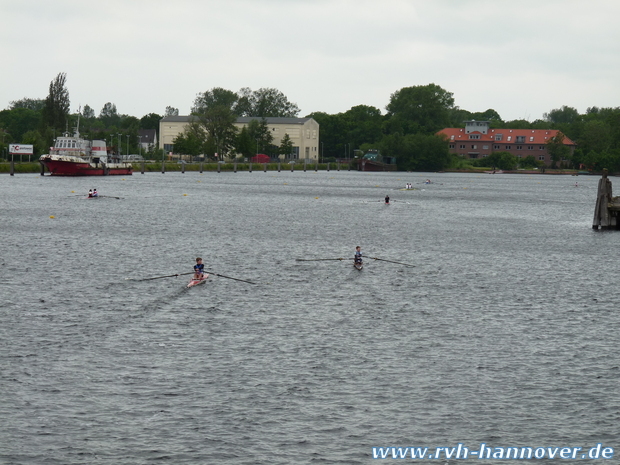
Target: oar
<point>159,277</point>
<point>318,259</point>
<point>391,261</point>
<point>229,277</point>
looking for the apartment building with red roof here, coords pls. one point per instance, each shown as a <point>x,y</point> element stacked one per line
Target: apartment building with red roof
<point>478,140</point>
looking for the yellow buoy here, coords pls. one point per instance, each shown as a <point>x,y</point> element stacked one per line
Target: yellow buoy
<point>73,192</point>
<point>184,195</point>
<point>52,216</point>
<point>316,197</point>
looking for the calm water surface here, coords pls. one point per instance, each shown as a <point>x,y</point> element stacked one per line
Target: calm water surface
<point>505,331</point>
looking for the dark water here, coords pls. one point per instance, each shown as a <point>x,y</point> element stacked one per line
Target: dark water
<point>505,332</point>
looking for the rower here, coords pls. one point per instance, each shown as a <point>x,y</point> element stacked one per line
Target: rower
<point>199,269</point>
<point>95,194</point>
<point>387,199</point>
<point>90,192</point>
<point>358,255</point>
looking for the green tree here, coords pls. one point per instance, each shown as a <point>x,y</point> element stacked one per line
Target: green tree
<point>88,112</point>
<point>286,146</point>
<point>562,115</point>
<point>35,104</point>
<point>419,109</point>
<point>18,121</point>
<point>557,149</point>
<point>56,109</point>
<point>171,111</point>
<point>215,98</point>
<point>245,145</point>
<point>109,115</point>
<point>500,160</point>
<point>363,125</point>
<point>417,152</point>
<point>191,141</point>
<point>264,102</point>
<point>150,121</point>
<point>37,140</point>
<point>259,132</point>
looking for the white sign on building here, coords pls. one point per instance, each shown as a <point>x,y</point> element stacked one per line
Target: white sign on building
<point>21,149</point>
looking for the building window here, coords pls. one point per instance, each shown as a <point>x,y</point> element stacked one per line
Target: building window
<point>462,146</point>
<point>508,147</point>
<point>498,136</point>
<point>541,147</point>
<point>473,155</point>
<point>520,139</point>
<point>531,138</point>
<point>475,147</point>
<point>452,146</point>
<point>530,147</point>
<point>474,136</point>
<point>519,147</point>
<point>496,147</point>
<point>485,147</point>
<point>509,138</point>
<point>541,157</point>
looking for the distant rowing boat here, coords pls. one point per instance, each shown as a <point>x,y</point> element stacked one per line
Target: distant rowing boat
<point>196,282</point>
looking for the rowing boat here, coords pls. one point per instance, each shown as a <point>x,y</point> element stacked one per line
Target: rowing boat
<point>358,266</point>
<point>196,282</point>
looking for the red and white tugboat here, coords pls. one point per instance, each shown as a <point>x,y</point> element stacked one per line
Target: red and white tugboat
<point>74,156</point>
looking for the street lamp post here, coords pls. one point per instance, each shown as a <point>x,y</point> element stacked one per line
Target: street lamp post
<point>118,148</point>
<point>127,135</point>
<point>322,153</point>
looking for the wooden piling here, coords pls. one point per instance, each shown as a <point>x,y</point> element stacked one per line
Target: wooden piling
<point>143,165</point>
<point>235,167</point>
<point>607,207</point>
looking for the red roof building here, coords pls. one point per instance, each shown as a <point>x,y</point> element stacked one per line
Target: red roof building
<point>478,140</point>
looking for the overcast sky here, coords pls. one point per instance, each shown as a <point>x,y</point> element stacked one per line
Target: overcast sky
<point>522,58</point>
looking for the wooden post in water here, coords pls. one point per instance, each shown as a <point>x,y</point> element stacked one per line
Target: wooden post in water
<point>265,164</point>
<point>163,167</point>
<point>337,166</point>
<point>316,166</point>
<point>182,167</point>
<point>279,167</point>
<point>607,207</point>
<point>201,166</point>
<point>142,170</point>
<point>12,167</point>
<point>235,167</point>
<point>42,169</point>
<point>250,167</point>
<point>327,166</point>
<point>219,167</point>
<point>305,164</point>
<point>292,167</point>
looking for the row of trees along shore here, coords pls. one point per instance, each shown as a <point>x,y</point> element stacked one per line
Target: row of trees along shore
<point>406,130</point>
